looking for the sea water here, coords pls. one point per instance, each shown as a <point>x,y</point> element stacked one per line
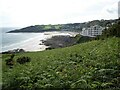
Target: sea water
<point>9,41</point>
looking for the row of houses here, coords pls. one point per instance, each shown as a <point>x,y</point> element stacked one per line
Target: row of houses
<point>92,31</point>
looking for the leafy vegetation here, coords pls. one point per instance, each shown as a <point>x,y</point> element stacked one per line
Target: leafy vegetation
<point>10,61</point>
<point>114,30</point>
<point>23,60</point>
<point>81,39</point>
<point>92,65</point>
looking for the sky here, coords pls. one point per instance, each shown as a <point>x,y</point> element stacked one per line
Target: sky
<point>119,9</point>
<point>22,13</point>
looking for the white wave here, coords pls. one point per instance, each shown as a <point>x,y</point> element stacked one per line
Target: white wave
<point>39,36</point>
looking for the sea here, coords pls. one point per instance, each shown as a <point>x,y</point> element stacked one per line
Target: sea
<point>10,41</point>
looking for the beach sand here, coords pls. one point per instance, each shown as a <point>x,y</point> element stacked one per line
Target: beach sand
<point>35,43</point>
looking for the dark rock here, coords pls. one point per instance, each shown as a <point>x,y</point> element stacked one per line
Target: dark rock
<point>59,42</point>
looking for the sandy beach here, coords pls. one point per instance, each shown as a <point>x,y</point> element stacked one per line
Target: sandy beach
<point>35,43</point>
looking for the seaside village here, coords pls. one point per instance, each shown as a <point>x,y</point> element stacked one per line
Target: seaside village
<point>92,31</point>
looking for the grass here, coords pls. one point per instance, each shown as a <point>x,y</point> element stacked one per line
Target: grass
<point>47,27</point>
<point>57,26</point>
<point>87,66</point>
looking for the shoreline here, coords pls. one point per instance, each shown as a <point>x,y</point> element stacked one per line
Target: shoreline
<point>36,44</point>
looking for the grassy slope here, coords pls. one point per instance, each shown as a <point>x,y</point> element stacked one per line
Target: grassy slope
<point>89,65</point>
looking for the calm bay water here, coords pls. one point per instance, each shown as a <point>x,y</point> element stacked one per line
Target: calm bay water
<point>13,40</point>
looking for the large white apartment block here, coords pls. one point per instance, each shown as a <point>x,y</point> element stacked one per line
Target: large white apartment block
<point>92,31</point>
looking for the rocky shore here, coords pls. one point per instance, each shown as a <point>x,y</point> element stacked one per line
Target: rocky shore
<point>59,41</point>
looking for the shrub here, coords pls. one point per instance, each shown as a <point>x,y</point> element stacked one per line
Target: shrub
<point>10,61</point>
<point>114,30</point>
<point>23,60</point>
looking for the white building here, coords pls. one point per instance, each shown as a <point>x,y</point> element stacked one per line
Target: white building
<point>92,31</point>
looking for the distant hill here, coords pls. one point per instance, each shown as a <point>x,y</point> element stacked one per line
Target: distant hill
<point>36,28</point>
<point>64,27</point>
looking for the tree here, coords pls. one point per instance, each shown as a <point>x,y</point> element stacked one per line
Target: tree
<point>114,30</point>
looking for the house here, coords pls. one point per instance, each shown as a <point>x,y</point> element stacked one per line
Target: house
<point>92,31</point>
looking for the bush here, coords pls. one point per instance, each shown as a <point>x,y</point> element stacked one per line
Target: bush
<point>10,61</point>
<point>114,30</point>
<point>23,60</point>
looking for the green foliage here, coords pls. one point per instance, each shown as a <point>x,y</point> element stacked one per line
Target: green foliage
<point>47,27</point>
<point>23,60</point>
<point>93,65</point>
<point>81,39</point>
<point>114,30</point>
<point>10,61</point>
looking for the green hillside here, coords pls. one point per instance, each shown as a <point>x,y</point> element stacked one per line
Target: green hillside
<point>64,27</point>
<point>93,65</point>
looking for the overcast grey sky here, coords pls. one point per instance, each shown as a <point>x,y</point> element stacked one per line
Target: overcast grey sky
<point>119,10</point>
<point>20,13</point>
